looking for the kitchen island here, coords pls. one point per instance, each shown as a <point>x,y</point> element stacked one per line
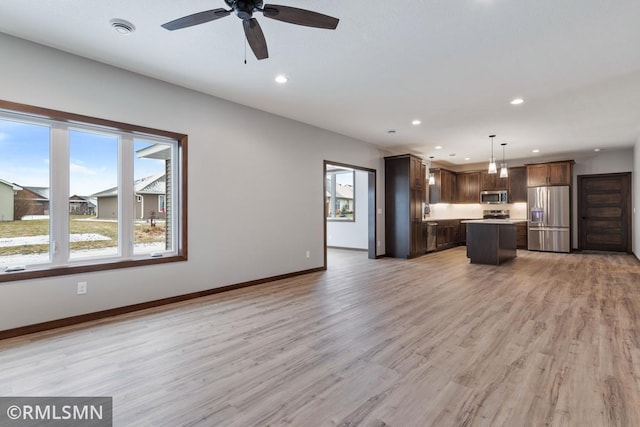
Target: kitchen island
<point>491,241</point>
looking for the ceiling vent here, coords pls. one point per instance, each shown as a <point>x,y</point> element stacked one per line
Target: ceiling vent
<point>122,27</point>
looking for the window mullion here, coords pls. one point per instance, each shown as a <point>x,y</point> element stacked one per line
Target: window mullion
<point>59,194</point>
<point>126,195</point>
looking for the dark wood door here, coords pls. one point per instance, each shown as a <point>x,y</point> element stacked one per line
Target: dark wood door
<point>604,213</point>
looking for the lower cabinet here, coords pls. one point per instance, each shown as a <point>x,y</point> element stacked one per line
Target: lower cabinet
<point>418,237</point>
<point>521,235</point>
<point>448,233</point>
<point>463,234</point>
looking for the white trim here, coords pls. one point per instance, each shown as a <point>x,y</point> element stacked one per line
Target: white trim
<point>59,193</point>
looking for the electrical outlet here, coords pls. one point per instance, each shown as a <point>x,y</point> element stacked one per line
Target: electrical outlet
<point>82,288</point>
<point>308,254</point>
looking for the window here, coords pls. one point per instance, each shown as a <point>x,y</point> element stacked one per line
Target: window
<point>83,194</point>
<point>340,197</point>
<point>161,203</point>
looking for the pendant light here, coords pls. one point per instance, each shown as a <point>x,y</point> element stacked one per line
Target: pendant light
<point>492,160</point>
<point>504,173</point>
<point>432,178</point>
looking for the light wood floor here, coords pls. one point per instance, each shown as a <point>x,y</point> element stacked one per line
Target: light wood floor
<point>546,339</point>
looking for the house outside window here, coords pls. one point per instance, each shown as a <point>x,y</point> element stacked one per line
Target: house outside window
<point>78,194</point>
<point>340,193</point>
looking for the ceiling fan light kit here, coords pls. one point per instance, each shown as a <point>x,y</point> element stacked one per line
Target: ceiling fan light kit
<point>244,9</point>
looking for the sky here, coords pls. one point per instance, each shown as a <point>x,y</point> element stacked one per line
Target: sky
<point>25,158</point>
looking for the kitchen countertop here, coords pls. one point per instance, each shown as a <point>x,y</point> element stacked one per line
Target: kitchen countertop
<point>493,221</point>
<point>447,219</point>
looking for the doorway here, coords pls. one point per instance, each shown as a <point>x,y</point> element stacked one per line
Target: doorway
<point>349,206</point>
<point>604,212</point>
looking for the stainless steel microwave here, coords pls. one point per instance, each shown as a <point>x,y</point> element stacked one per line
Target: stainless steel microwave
<point>493,197</point>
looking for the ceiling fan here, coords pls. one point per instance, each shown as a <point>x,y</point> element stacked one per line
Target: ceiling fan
<point>244,10</point>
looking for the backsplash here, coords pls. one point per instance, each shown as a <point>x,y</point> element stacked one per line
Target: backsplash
<point>471,211</point>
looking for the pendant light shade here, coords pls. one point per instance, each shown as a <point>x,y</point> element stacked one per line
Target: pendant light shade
<point>430,176</point>
<point>504,172</point>
<point>492,160</point>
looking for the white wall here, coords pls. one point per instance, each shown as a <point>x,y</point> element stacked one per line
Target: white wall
<point>603,162</point>
<point>353,234</point>
<point>235,153</point>
<point>609,161</point>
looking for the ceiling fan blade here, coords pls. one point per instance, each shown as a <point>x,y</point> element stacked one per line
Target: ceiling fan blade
<point>293,15</point>
<point>195,19</point>
<point>255,37</point>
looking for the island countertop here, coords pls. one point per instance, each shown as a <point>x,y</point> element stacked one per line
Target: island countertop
<point>493,221</point>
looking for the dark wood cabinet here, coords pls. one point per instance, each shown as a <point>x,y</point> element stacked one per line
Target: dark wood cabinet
<point>463,234</point>
<point>444,189</point>
<point>404,196</point>
<point>517,184</point>
<point>417,171</point>
<point>467,187</point>
<point>560,173</point>
<point>521,235</point>
<point>448,233</point>
<point>492,181</point>
<point>491,243</point>
<point>553,173</point>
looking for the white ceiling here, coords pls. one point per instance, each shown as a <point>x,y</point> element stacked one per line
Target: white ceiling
<point>453,64</point>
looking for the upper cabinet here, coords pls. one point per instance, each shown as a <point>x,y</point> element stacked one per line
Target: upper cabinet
<point>468,187</point>
<point>417,173</point>
<point>444,189</point>
<point>554,173</point>
<point>492,181</point>
<point>517,184</point>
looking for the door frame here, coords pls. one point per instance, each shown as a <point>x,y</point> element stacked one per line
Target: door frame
<point>580,201</point>
<point>372,237</point>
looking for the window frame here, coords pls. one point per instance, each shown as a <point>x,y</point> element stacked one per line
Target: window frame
<point>33,113</point>
<point>341,170</point>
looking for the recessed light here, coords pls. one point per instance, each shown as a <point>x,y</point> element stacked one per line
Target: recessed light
<point>281,79</point>
<point>416,122</point>
<point>452,155</point>
<point>467,158</point>
<point>535,151</point>
<point>122,27</point>
<point>596,149</point>
<point>438,147</point>
<point>516,101</point>
<point>391,131</point>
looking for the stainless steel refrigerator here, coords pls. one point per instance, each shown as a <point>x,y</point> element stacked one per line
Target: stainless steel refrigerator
<point>549,219</point>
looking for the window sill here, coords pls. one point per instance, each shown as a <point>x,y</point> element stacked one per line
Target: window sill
<point>61,271</point>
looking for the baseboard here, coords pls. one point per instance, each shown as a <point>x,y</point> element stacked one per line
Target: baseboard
<point>347,248</point>
<point>83,318</point>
